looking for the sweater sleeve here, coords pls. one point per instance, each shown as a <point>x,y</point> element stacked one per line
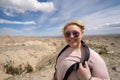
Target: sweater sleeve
<point>99,68</point>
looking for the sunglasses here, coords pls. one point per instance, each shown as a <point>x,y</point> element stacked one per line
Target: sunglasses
<point>74,33</point>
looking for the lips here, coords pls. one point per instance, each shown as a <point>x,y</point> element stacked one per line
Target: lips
<point>72,40</point>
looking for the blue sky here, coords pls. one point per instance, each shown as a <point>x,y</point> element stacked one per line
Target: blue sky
<point>47,17</point>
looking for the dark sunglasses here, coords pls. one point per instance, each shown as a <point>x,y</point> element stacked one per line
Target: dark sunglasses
<point>74,33</point>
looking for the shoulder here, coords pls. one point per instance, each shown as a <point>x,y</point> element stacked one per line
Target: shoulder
<point>96,62</point>
<point>93,53</point>
<point>64,53</point>
<point>95,57</point>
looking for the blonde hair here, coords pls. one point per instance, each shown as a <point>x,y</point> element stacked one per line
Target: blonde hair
<point>75,22</point>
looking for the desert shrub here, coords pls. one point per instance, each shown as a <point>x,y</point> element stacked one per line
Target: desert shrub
<point>103,50</point>
<point>40,67</point>
<point>11,69</point>
<point>112,43</point>
<point>28,68</point>
<point>50,61</point>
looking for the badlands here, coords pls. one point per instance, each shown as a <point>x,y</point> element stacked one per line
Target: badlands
<point>34,57</point>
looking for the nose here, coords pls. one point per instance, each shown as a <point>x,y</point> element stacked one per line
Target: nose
<point>71,35</point>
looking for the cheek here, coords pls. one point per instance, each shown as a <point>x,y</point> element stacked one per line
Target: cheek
<point>80,37</point>
<point>81,34</point>
<point>66,40</point>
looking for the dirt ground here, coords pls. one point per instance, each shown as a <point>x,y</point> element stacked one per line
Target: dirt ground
<point>41,53</point>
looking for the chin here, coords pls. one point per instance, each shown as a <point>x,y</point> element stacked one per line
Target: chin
<point>73,46</point>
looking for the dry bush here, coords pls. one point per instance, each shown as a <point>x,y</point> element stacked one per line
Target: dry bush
<point>11,69</point>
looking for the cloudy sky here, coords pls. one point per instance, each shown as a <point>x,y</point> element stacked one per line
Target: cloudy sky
<point>47,17</point>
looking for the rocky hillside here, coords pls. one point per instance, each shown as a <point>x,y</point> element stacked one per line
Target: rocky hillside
<point>33,58</point>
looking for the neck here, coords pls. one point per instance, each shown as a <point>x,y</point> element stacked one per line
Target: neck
<point>77,46</point>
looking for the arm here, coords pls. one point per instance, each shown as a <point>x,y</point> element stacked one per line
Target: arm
<point>84,73</point>
<point>99,71</point>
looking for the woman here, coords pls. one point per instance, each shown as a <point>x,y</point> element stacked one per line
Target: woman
<point>73,33</point>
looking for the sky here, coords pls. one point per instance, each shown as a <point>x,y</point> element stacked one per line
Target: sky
<point>48,17</point>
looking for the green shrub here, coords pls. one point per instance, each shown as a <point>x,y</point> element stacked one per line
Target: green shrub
<point>103,50</point>
<point>112,43</point>
<point>10,69</point>
<point>29,68</point>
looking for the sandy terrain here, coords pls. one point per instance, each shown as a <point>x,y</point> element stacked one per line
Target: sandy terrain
<point>40,53</point>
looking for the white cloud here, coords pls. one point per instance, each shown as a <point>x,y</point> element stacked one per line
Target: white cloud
<point>8,12</point>
<point>20,6</point>
<point>7,30</point>
<point>18,31</point>
<point>51,32</point>
<point>98,20</point>
<point>112,25</point>
<point>3,21</point>
<point>71,9</point>
<point>29,28</point>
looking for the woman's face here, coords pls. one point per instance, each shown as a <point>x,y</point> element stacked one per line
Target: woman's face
<point>73,35</point>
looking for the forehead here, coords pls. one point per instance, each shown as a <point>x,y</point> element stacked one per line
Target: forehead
<point>72,27</point>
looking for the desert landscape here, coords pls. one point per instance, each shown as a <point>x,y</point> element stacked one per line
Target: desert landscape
<point>33,58</point>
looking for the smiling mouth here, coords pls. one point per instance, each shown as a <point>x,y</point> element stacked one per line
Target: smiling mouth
<point>72,40</point>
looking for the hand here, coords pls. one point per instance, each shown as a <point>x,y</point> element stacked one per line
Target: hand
<point>83,71</point>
